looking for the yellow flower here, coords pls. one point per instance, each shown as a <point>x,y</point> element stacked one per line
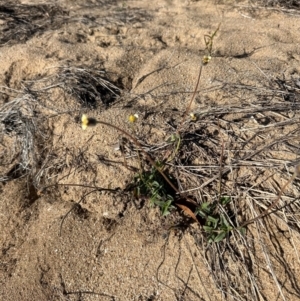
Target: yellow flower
<point>84,122</point>
<point>193,117</point>
<point>133,118</point>
<point>206,59</point>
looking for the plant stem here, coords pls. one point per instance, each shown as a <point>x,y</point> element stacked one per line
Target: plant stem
<point>133,139</point>
<point>191,101</point>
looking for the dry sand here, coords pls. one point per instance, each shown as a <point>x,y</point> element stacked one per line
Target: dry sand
<point>107,248</point>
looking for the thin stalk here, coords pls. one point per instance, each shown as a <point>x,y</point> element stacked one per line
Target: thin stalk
<point>144,152</point>
<point>191,101</point>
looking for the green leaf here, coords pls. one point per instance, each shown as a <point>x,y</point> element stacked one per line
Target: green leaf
<point>210,240</point>
<point>224,221</point>
<point>172,138</point>
<point>200,213</point>
<point>165,212</point>
<point>220,237</point>
<point>212,219</point>
<point>225,200</point>
<point>170,198</point>
<point>158,164</point>
<point>155,184</point>
<point>206,207</point>
<point>207,229</point>
<point>242,231</point>
<point>166,206</point>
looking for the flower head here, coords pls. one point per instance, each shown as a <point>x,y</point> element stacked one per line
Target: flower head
<point>84,122</point>
<point>206,59</point>
<point>133,118</point>
<point>193,117</point>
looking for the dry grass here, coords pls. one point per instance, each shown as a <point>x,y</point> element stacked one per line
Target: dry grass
<point>259,147</point>
<point>20,122</point>
<point>246,152</point>
<point>285,4</point>
<point>25,121</point>
<point>257,8</point>
<point>20,22</point>
<point>90,86</point>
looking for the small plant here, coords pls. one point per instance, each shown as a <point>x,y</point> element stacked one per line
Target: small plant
<point>151,185</point>
<point>216,224</point>
<point>155,184</point>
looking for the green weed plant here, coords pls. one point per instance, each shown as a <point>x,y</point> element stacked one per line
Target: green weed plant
<point>151,185</point>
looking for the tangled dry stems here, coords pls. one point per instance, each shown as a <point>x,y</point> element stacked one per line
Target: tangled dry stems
<point>20,21</point>
<point>252,172</point>
<point>232,260</point>
<point>197,170</point>
<point>246,148</point>
<point>287,4</point>
<point>19,121</point>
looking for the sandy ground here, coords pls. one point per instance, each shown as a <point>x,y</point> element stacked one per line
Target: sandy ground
<point>108,247</point>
